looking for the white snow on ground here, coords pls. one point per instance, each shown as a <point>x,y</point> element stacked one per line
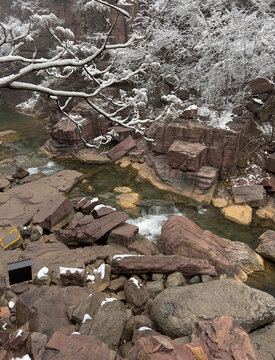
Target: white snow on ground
<point>98,207</point>
<point>119,257</point>
<point>25,357</point>
<point>29,104</point>
<point>86,317</point>
<point>91,278</point>
<point>100,270</point>
<point>75,333</point>
<point>11,304</point>
<point>135,282</point>
<point>42,272</point>
<point>4,327</point>
<point>192,107</point>
<point>107,300</point>
<point>144,328</point>
<point>258,101</point>
<point>266,128</point>
<point>215,120</point>
<point>19,333</point>
<point>63,270</point>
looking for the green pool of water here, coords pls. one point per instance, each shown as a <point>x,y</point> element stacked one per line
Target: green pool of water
<point>156,205</point>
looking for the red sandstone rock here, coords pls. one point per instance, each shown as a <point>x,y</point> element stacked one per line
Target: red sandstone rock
<point>250,194</point>
<point>161,264</point>
<point>222,338</point>
<point>18,339</point>
<point>123,234</point>
<point>270,163</point>
<point>56,212</point>
<point>182,236</point>
<point>35,342</point>
<point>238,110</point>
<point>143,247</point>
<point>4,338</point>
<point>122,132</point>
<point>88,229</point>
<point>4,355</point>
<point>103,211</point>
<point>136,295</point>
<point>269,184</point>
<point>89,206</point>
<point>121,149</point>
<point>186,156</point>
<point>190,113</point>
<point>159,348</point>
<point>260,85</point>
<point>266,245</point>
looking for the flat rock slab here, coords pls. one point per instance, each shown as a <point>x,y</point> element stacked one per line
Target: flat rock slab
<point>121,149</point>
<point>46,307</point>
<point>266,245</point>
<point>240,214</point>
<point>55,213</point>
<point>161,264</point>
<point>88,229</point>
<point>177,309</point>
<point>123,234</point>
<point>80,347</point>
<point>181,236</point>
<point>4,184</point>
<point>186,156</point>
<point>250,194</point>
<point>19,204</point>
<point>263,342</point>
<point>89,156</point>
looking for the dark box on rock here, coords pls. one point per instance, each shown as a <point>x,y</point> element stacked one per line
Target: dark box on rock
<point>20,271</point>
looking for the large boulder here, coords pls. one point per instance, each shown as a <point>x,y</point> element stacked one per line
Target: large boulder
<point>182,236</point>
<point>251,194</point>
<point>263,342</point>
<point>266,246</point>
<point>161,264</point>
<point>19,204</point>
<point>240,214</point>
<point>260,86</point>
<point>45,308</point>
<point>176,310</point>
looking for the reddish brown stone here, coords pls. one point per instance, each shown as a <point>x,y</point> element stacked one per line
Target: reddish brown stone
<point>103,211</point>
<point>250,194</point>
<point>159,348</point>
<point>182,236</point>
<point>18,339</point>
<point>222,338</point>
<point>80,347</point>
<point>143,247</point>
<point>123,234</point>
<point>266,246</point>
<point>88,229</point>
<point>56,212</point>
<point>161,264</point>
<point>270,163</point>
<point>121,149</point>
<point>4,312</point>
<point>4,355</point>
<point>35,342</point>
<point>136,295</point>
<point>260,85</point>
<point>4,338</point>
<point>89,206</point>
<point>189,113</point>
<point>20,173</point>
<point>238,110</point>
<point>186,156</point>
<point>269,184</point>
<point>122,132</point>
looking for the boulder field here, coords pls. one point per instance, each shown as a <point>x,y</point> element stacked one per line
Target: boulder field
<point>101,291</point>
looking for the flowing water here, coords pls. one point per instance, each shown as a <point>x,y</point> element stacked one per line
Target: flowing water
<point>156,205</point>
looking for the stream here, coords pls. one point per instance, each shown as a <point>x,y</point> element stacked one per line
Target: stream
<point>156,205</point>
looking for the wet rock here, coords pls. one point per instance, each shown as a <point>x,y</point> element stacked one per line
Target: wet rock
<point>20,173</point>
<point>175,279</point>
<point>174,317</point>
<point>270,163</point>
<point>4,184</point>
<point>267,212</point>
<point>240,214</point>
<point>222,338</point>
<point>63,347</point>
<point>123,234</point>
<point>219,203</point>
<point>35,342</point>
<point>182,236</point>
<point>128,201</point>
<point>123,190</point>
<point>260,86</point>
<point>89,156</point>
<point>121,149</point>
<point>136,295</point>
<point>19,204</point>
<point>140,264</point>
<point>158,347</point>
<point>251,194</point>
<point>56,213</point>
<point>263,342</point>
<point>266,246</point>
<point>88,229</point>
<point>45,307</point>
<point>186,156</point>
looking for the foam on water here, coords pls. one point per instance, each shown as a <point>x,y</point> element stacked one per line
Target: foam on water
<point>48,169</point>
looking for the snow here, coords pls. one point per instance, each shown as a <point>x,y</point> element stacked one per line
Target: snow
<point>25,357</point>
<point>98,207</point>
<point>192,107</point>
<point>91,278</point>
<point>108,300</point>
<point>215,120</point>
<point>135,282</point>
<point>100,270</point>
<point>144,328</point>
<point>75,333</point>
<point>94,200</point>
<point>63,270</point>
<point>119,257</point>
<point>11,304</point>
<point>81,200</point>
<point>258,101</point>
<point>86,317</point>
<point>19,332</point>
<point>42,272</point>
<point>4,327</point>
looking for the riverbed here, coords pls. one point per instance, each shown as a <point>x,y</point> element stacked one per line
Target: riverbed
<point>156,205</point>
